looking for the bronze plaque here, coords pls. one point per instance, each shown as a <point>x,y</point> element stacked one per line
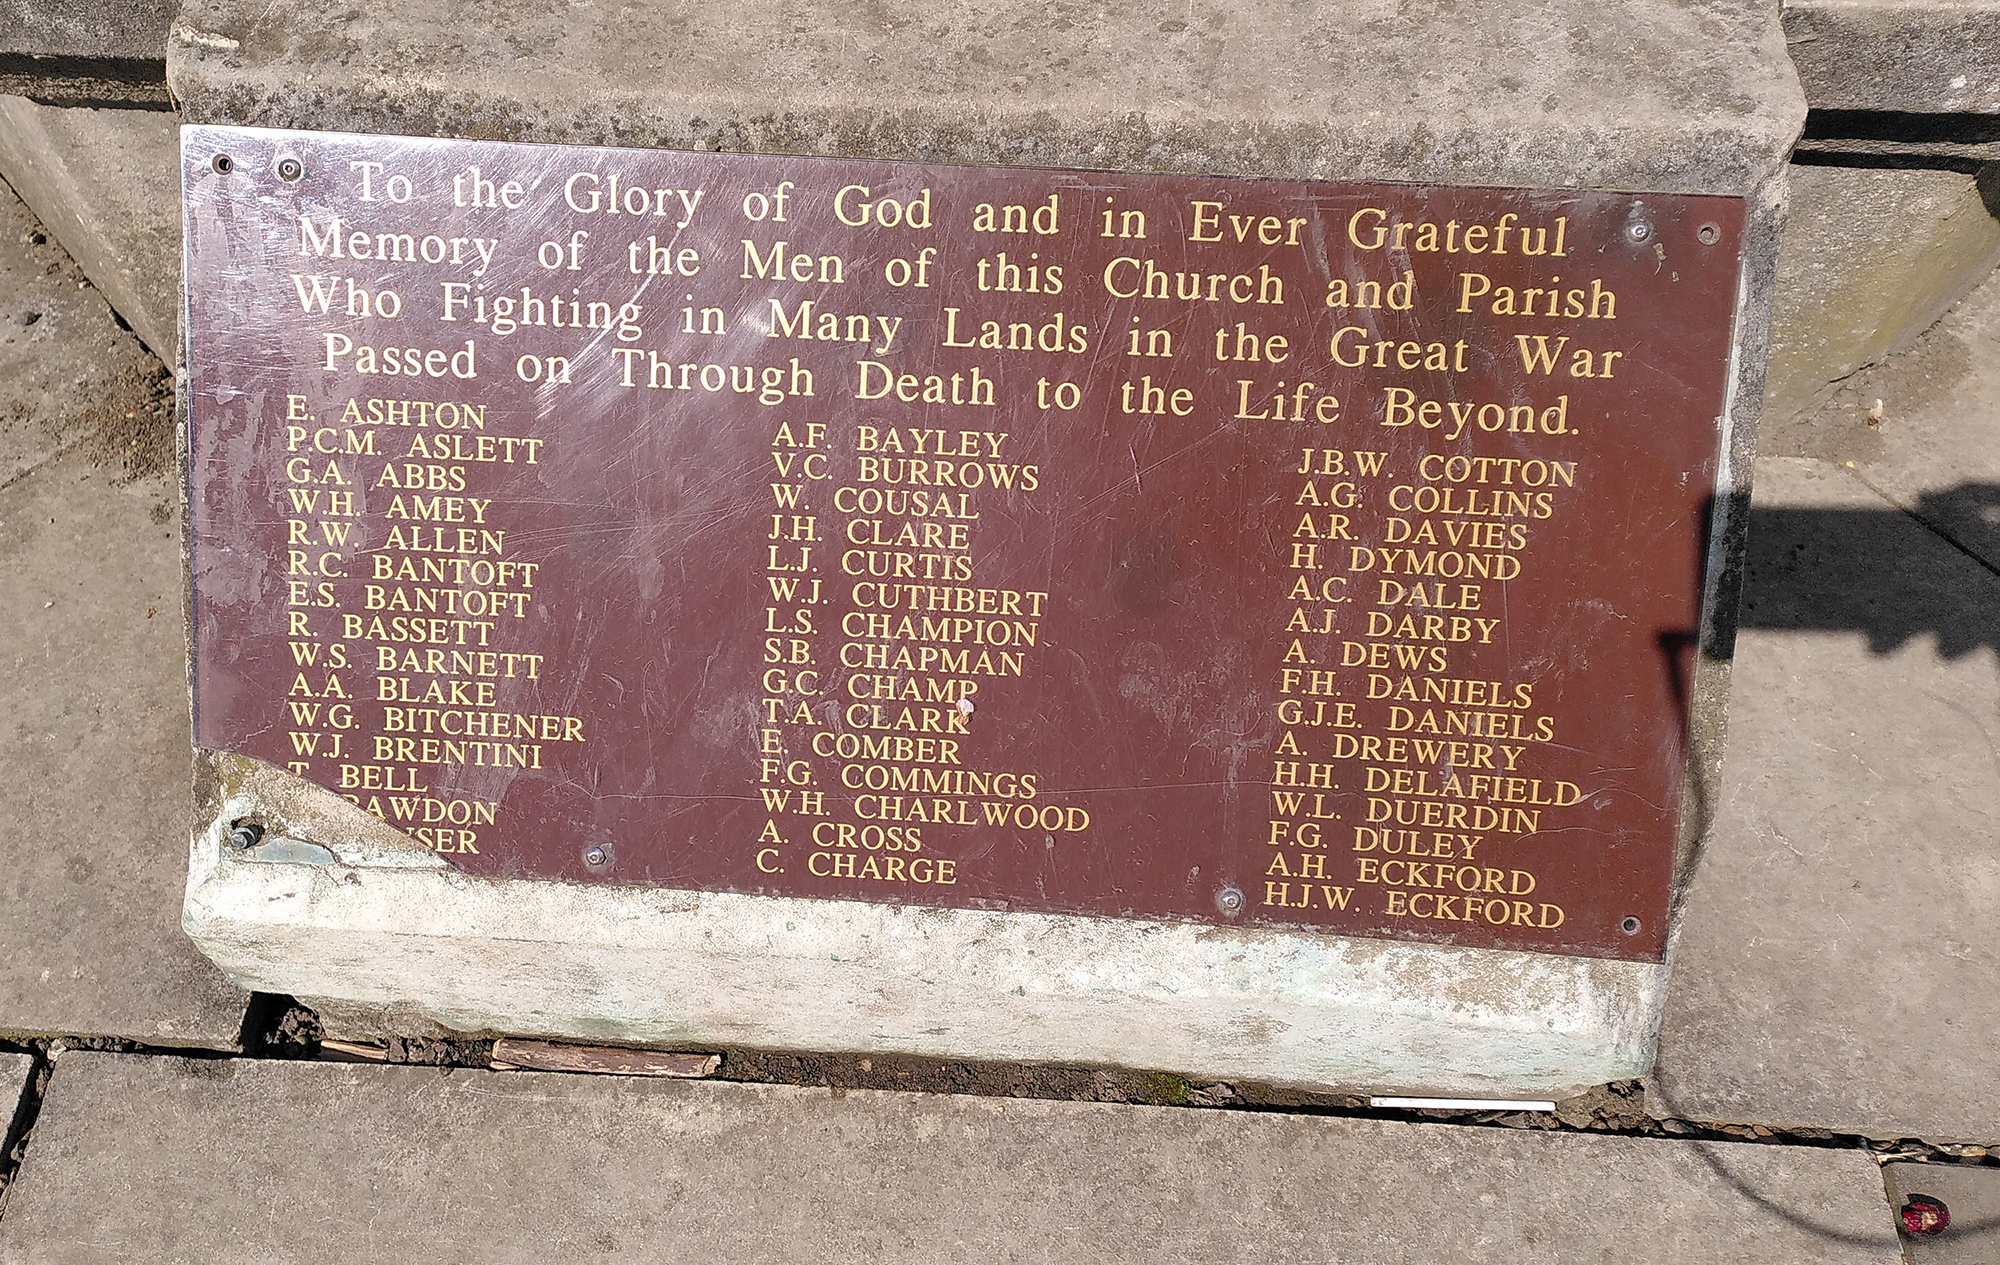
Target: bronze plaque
<point>1230,550</point>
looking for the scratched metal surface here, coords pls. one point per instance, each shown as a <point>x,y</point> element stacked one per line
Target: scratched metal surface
<point>710,697</point>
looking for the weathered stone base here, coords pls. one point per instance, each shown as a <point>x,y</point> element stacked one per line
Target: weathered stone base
<point>387,938</point>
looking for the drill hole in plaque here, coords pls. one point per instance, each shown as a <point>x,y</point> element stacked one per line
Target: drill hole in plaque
<point>290,169</point>
<point>222,164</point>
<point>1708,234</point>
<point>1630,926</point>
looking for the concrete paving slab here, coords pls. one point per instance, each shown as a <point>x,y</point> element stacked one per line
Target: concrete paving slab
<point>94,29</point>
<point>66,370</point>
<point>107,184</point>
<point>1932,56</point>
<point>1972,1195</point>
<point>86,51</point>
<point>15,1069</point>
<point>94,741</point>
<point>14,1072</point>
<point>94,734</point>
<point>226,1161</point>
<point>1836,962</point>
<point>1933,447</point>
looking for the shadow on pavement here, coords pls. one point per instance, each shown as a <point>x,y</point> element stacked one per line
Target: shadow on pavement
<point>1870,571</point>
<point>1893,575</point>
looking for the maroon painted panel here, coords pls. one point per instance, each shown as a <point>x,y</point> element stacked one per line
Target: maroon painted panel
<point>1129,545</point>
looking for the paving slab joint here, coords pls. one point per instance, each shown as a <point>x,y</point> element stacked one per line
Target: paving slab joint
<point>1895,139</point>
<point>1883,1150</point>
<point>92,83</point>
<point>21,1124</point>
<point>1975,504</point>
<point>1617,1109</point>
<point>284,1028</point>
<point>46,1051</point>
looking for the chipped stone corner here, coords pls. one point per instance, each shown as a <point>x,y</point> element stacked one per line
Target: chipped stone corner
<point>232,791</point>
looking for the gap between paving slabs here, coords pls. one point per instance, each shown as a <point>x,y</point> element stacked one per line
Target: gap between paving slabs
<point>279,1028</point>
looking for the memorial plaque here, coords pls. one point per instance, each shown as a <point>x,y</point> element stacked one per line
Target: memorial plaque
<point>1246,552</point>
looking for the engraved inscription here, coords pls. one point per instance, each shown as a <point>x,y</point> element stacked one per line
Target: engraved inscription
<point>999,538</point>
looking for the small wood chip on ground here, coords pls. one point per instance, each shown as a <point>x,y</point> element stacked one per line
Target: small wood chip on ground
<point>551,1056</point>
<point>355,1050</point>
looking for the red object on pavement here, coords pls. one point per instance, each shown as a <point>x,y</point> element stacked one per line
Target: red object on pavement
<point>1923,1215</point>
